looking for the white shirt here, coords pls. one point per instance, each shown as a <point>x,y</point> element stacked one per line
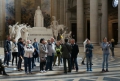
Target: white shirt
<point>29,49</point>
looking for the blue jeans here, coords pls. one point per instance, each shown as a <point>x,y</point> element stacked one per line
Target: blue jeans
<point>27,62</point>
<point>49,62</point>
<point>105,60</point>
<point>89,62</point>
<point>74,61</point>
<point>7,58</point>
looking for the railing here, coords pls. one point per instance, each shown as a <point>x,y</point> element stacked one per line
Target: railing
<point>1,44</point>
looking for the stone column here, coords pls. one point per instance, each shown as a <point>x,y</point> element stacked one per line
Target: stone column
<point>104,22</point>
<point>94,21</point>
<point>18,11</point>
<point>58,10</point>
<point>54,8</point>
<point>118,24</point>
<point>2,20</point>
<point>61,11</point>
<point>80,22</point>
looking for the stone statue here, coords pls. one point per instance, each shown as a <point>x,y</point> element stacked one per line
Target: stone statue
<point>38,18</point>
<point>12,30</point>
<point>69,35</point>
<point>24,34</point>
<point>54,23</point>
<point>18,32</point>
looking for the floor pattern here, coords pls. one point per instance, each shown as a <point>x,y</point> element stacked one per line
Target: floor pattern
<point>58,75</point>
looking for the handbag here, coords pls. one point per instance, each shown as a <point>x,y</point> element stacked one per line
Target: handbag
<point>43,59</point>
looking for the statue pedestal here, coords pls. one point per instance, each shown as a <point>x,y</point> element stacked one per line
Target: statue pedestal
<point>39,32</point>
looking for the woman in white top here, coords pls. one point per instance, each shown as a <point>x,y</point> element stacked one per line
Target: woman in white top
<point>14,51</point>
<point>29,49</point>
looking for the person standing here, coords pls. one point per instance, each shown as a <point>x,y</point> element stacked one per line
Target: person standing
<point>89,48</point>
<point>29,49</point>
<point>58,53</point>
<point>35,53</point>
<point>43,53</point>
<point>105,48</point>
<point>84,43</point>
<point>66,54</point>
<point>112,47</point>
<point>50,55</point>
<point>7,50</point>
<point>14,51</point>
<point>74,53</point>
<point>20,53</point>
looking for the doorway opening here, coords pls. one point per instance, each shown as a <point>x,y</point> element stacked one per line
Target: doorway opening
<point>74,31</point>
<point>115,32</point>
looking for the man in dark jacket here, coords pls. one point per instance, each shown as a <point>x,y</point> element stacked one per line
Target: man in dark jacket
<point>66,54</point>
<point>20,53</point>
<point>74,53</point>
<point>7,50</point>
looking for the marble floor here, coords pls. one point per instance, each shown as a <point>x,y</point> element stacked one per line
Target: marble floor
<point>58,75</point>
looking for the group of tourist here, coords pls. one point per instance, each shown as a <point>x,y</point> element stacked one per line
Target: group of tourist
<point>47,51</point>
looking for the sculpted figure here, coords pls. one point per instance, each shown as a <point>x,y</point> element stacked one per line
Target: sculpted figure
<point>38,18</point>
<point>24,32</point>
<point>17,32</point>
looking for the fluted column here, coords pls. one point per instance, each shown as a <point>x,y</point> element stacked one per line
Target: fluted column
<point>2,20</point>
<point>18,11</point>
<point>94,21</point>
<point>118,24</point>
<point>104,23</point>
<point>61,11</point>
<point>80,22</point>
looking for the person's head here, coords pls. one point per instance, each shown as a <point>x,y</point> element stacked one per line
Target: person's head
<point>48,41</point>
<point>66,40</point>
<point>35,40</point>
<point>20,40</point>
<point>88,41</point>
<point>42,40</point>
<point>72,41</point>
<point>112,40</point>
<point>14,40</point>
<point>105,39</point>
<point>8,37</point>
<point>28,41</point>
<point>58,43</point>
<point>52,40</point>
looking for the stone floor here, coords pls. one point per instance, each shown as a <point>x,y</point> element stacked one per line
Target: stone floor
<point>82,75</point>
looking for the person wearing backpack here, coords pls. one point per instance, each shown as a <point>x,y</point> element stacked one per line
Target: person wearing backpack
<point>66,54</point>
<point>58,53</point>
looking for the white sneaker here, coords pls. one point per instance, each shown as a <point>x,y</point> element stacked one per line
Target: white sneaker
<point>44,71</point>
<point>41,71</point>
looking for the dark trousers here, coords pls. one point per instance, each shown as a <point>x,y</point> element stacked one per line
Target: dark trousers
<point>2,69</point>
<point>69,64</point>
<point>89,62</point>
<point>49,62</point>
<point>74,61</point>
<point>14,55</point>
<point>112,50</point>
<point>7,58</point>
<point>27,62</point>
<point>42,66</point>
<point>20,62</point>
